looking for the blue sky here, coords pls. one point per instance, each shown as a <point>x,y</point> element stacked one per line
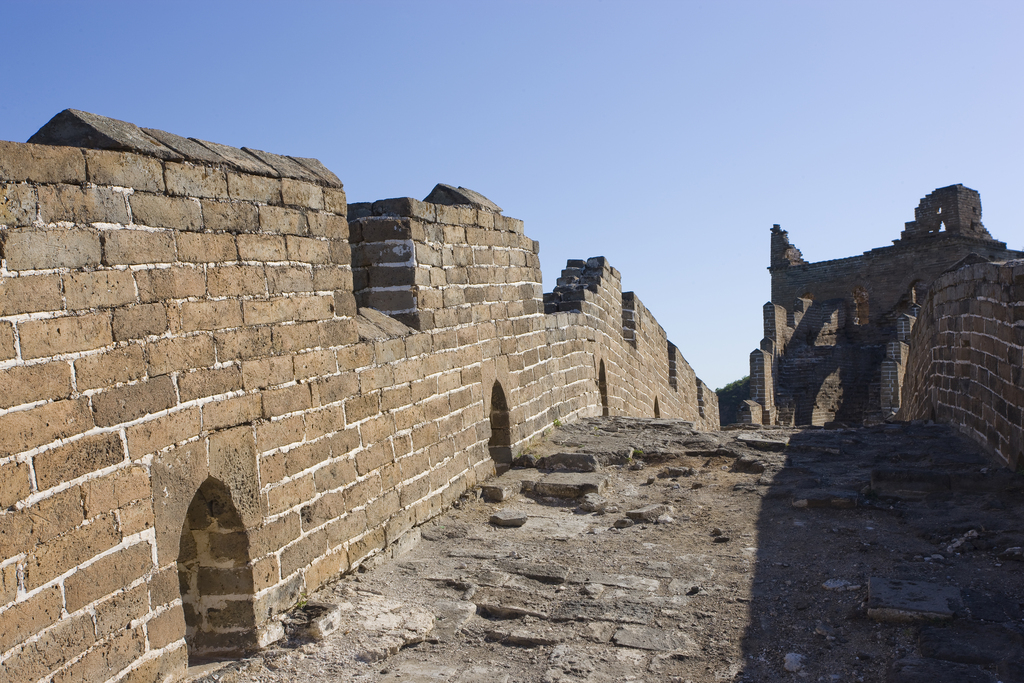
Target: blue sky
<point>666,136</point>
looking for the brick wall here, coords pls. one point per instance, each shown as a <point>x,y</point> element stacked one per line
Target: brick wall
<point>966,355</point>
<point>198,424</point>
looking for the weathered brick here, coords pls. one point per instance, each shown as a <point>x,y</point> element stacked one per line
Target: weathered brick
<point>41,163</point>
<point>231,411</point>
<point>210,315</point>
<point>302,553</point>
<point>299,193</point>
<point>262,248</point>
<point>243,344</point>
<point>286,400</point>
<point>8,580</point>
<point>236,281</point>
<point>159,211</point>
<point>125,170</point>
<point>29,617</point>
<point>290,338</point>
<point>17,204</point>
<point>137,322</point>
<point>327,225</point>
<point>254,188</point>
<point>133,247</point>
<point>154,435</point>
<point>81,204</point>
<point>130,402</point>
<point>15,483</point>
<point>335,201</point>
<point>270,435</point>
<point>110,367</point>
<point>176,282</point>
<point>265,372</point>
<point>298,308</point>
<point>283,279</point>
<point>40,248</point>
<point>281,498</point>
<point>282,221</point>
<point>117,613</point>
<point>40,338</point>
<point>308,249</point>
<point>230,216</point>
<point>107,574</point>
<point>201,247</point>
<point>98,289</point>
<point>195,181</point>
<point>209,382</point>
<point>166,627</point>
<point>30,383</point>
<point>57,645</point>
<point>25,429</point>
<point>29,294</point>
<point>116,490</point>
<point>107,659</point>
<point>59,555</point>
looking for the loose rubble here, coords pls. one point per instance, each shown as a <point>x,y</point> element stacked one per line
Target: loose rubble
<point>840,560</point>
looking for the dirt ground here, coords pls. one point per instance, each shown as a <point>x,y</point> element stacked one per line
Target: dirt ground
<point>871,554</point>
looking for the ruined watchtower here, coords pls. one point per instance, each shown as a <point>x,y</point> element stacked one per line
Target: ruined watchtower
<point>835,332</point>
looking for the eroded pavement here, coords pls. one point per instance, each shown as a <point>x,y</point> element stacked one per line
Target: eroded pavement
<point>889,553</point>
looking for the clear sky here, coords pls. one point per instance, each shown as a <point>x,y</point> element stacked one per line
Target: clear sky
<point>666,136</point>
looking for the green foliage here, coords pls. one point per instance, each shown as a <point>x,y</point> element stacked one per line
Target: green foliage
<point>558,423</point>
<point>730,398</point>
<point>638,451</point>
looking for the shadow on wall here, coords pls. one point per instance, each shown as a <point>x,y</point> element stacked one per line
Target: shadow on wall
<point>500,443</point>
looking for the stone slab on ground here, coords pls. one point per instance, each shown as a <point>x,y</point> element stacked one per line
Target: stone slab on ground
<point>449,618</point>
<point>570,484</point>
<point>904,600</point>
<point>762,443</point>
<point>509,518</point>
<point>578,462</point>
<point>924,670</point>
<point>509,485</point>
<point>436,673</point>
<point>510,603</point>
<point>647,638</point>
<point>969,643</point>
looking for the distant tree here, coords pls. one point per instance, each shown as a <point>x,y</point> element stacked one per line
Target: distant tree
<point>730,397</point>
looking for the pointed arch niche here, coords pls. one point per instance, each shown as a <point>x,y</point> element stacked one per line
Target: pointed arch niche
<point>500,443</point>
<point>602,386</point>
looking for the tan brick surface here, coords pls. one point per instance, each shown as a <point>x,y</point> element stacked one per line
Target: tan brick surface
<point>195,181</point>
<point>29,617</point>
<point>59,555</point>
<point>125,170</point>
<point>30,294</point>
<point>206,248</point>
<point>41,163</point>
<point>132,247</point>
<point>72,460</point>
<point>17,204</point>
<point>39,248</point>
<point>262,248</point>
<point>29,383</point>
<point>24,429</point>
<point>110,367</point>
<point>170,283</point>
<point>180,353</point>
<point>130,402</point>
<point>159,211</point>
<point>107,575</point>
<point>137,322</point>
<point>54,336</point>
<point>82,204</point>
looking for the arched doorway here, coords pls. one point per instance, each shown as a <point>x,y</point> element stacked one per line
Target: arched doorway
<point>602,386</point>
<point>500,443</point>
<point>657,408</point>
<point>215,577</point>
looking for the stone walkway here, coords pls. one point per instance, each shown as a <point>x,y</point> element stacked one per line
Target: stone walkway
<point>644,551</point>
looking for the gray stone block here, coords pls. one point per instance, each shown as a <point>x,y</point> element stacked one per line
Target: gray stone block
<point>285,166</point>
<point>455,196</point>
<point>320,171</point>
<point>74,128</point>
<point>901,600</point>
<point>239,159</point>
<point>188,149</point>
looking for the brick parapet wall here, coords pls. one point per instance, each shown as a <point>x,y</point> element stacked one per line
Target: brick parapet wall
<point>966,354</point>
<point>174,331</point>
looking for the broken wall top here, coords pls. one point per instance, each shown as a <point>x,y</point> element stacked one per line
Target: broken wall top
<point>74,128</point>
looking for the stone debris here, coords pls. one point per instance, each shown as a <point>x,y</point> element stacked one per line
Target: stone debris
<point>593,502</point>
<point>649,513</point>
<point>577,462</point>
<point>570,485</point>
<point>646,638</point>
<point>748,465</point>
<point>793,662</point>
<point>905,600</point>
<point>509,518</point>
<point>762,443</point>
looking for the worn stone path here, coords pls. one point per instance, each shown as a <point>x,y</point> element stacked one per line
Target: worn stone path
<point>656,553</point>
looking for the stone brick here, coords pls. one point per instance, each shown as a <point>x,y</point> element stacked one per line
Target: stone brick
<point>29,294</point>
<point>29,617</point>
<point>210,382</point>
<point>125,170</point>
<point>15,484</point>
<point>230,216</point>
<point>210,315</point>
<point>335,201</point>
<point>116,490</point>
<point>25,429</point>
<point>154,435</point>
<point>286,400</point>
<point>137,322</point>
<point>170,283</point>
<point>285,279</point>
<point>298,193</point>
<point>30,383</point>
<point>297,337</point>
<point>98,289</point>
<point>7,350</point>
<point>262,248</point>
<point>236,281</point>
<point>117,613</point>
<point>107,659</point>
<point>17,204</point>
<point>55,336</point>
<point>8,581</point>
<point>308,249</point>
<point>336,388</point>
<point>327,225</point>
<point>282,221</point>
<point>270,435</point>
<point>287,308</point>
<point>41,163</point>
<point>289,495</point>
<point>265,372</point>
<point>133,247</point>
<point>167,627</point>
<point>40,248</point>
<point>106,575</point>
<point>243,344</point>
<point>254,188</point>
<point>206,248</point>
<point>302,553</point>
<point>231,411</point>
<point>159,211</point>
<point>180,353</point>
<point>82,204</point>
<point>360,549</point>
<point>130,402</point>
<point>195,181</point>
<point>59,555</point>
